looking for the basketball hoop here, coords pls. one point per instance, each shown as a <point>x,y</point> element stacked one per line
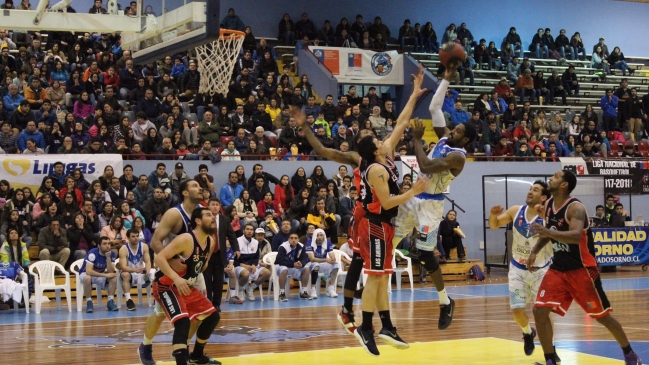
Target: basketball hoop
<point>216,61</point>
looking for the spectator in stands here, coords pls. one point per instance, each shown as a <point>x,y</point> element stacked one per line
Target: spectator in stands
<point>603,46</point>
<point>406,34</point>
<point>594,137</point>
<point>142,127</point>
<point>232,21</point>
<point>512,70</point>
<point>31,133</point>
<point>189,82</point>
<point>458,115</point>
<point>379,28</point>
<point>259,190</point>
<point>635,115</point>
<point>597,61</point>
<point>490,138</point>
<point>562,44</point>
<point>619,216</point>
<point>521,130</point>
<point>618,62</point>
<point>623,94</point>
<point>578,151</point>
<point>538,45</point>
<point>53,243</point>
<point>128,78</point>
<point>577,46</point>
<point>556,87</point>
<point>230,191</point>
<point>525,86</point>
<point>570,82</point>
<point>35,94</point>
<point>629,150</point>
<point>515,40</point>
<point>599,219</point>
<point>209,129</point>
<point>503,148</point>
<point>540,88</point>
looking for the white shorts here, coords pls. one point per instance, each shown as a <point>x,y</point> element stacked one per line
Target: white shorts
<point>292,272</point>
<point>423,214</point>
<point>251,276</point>
<point>324,268</point>
<point>523,285</point>
<point>99,281</point>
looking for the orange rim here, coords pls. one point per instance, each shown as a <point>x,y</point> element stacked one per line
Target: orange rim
<point>231,33</point>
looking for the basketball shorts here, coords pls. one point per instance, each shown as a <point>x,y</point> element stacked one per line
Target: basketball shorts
<point>99,281</point>
<point>324,268</point>
<point>524,285</point>
<point>293,272</point>
<point>423,214</point>
<point>375,240</point>
<point>175,306</point>
<point>251,276</point>
<point>357,216</point>
<point>559,288</point>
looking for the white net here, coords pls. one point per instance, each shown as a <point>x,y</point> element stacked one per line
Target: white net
<point>216,61</point>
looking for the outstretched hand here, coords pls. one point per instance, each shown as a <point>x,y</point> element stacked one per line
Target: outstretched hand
<point>417,81</point>
<point>298,115</point>
<point>451,70</point>
<point>497,210</point>
<point>418,129</point>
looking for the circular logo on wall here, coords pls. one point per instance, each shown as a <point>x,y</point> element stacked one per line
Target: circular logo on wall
<point>381,63</point>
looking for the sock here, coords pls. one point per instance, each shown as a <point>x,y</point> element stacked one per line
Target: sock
<point>198,350</point>
<point>281,291</point>
<point>367,321</point>
<point>147,341</point>
<point>627,349</point>
<point>527,329</point>
<point>233,292</point>
<point>181,355</point>
<point>443,297</point>
<point>550,357</point>
<point>253,286</point>
<point>385,319</point>
<point>127,296</point>
<point>88,299</point>
<point>110,297</point>
<point>314,277</point>
<point>348,305</point>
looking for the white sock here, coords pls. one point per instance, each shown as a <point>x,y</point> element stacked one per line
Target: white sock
<point>110,297</point>
<point>147,341</point>
<point>527,329</point>
<point>88,299</point>
<point>127,296</point>
<point>443,297</point>
<point>281,291</point>
<point>233,292</point>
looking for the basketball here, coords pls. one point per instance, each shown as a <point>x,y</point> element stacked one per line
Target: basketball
<point>451,51</point>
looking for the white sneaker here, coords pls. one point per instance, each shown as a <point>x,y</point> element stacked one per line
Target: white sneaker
<point>44,299</point>
<point>241,294</point>
<point>32,299</point>
<point>331,292</point>
<point>314,293</point>
<point>250,294</point>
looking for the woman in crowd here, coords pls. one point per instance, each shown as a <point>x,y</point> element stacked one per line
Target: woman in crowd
<point>298,181</point>
<point>83,107</point>
<point>300,207</point>
<point>189,132</point>
<point>98,196</point>
<point>107,177</point>
<point>70,187</point>
<point>6,191</point>
<point>151,142</point>
<point>230,153</point>
<point>235,222</point>
<point>115,232</point>
<point>55,139</point>
<point>449,230</point>
<point>318,177</point>
<point>128,214</point>
<point>19,203</point>
<point>269,206</point>
<point>241,173</point>
<point>67,210</point>
<point>254,151</point>
<point>13,221</point>
<point>283,194</point>
<point>81,237</point>
<point>598,61</point>
<point>617,61</point>
<point>29,197</point>
<point>246,209</point>
<point>41,206</point>
<point>121,130</point>
<point>46,218</point>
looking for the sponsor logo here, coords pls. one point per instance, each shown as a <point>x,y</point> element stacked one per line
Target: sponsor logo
<point>16,167</point>
<point>381,63</point>
<point>377,251</point>
<point>167,300</point>
<point>560,246</point>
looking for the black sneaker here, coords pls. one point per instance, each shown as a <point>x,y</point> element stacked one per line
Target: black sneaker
<point>204,360</point>
<point>366,338</point>
<point>145,352</point>
<point>305,295</point>
<point>358,293</point>
<point>528,339</point>
<point>130,305</point>
<point>446,315</point>
<point>282,297</point>
<point>391,337</point>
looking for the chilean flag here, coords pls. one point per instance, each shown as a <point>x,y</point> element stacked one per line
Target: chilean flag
<point>355,60</point>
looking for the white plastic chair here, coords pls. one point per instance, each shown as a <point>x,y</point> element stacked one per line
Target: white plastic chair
<point>342,273</point>
<point>43,273</point>
<point>140,289</point>
<point>400,270</point>
<point>269,259</point>
<point>226,280</point>
<point>24,283</point>
<point>80,294</point>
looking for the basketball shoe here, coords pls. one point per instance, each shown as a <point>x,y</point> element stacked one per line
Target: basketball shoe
<point>347,320</point>
<point>632,359</point>
<point>528,339</point>
<point>446,315</point>
<point>366,338</point>
<point>391,337</point>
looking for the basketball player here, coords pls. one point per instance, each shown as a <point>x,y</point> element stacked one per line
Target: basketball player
<point>380,198</point>
<point>425,212</point>
<point>138,265</point>
<point>346,315</point>
<point>174,222</point>
<point>524,284</point>
<point>174,289</point>
<point>573,274</point>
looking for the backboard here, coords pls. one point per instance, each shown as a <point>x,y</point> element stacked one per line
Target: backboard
<point>193,24</point>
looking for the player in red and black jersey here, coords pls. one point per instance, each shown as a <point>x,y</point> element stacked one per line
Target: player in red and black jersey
<point>174,288</point>
<point>346,315</point>
<point>381,200</point>
<point>573,275</point>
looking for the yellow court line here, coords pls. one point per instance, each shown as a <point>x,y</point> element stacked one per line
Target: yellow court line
<point>477,351</point>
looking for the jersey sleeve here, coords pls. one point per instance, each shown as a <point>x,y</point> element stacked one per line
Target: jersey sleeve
<point>92,257</point>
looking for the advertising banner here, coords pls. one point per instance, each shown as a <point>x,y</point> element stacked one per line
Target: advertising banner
<point>621,246</point>
<point>29,170</point>
<point>621,176</point>
<point>351,65</point>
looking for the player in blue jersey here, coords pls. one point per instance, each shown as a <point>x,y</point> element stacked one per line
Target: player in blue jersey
<point>322,261</point>
<point>425,211</point>
<point>523,283</point>
<point>135,265</point>
<point>99,269</point>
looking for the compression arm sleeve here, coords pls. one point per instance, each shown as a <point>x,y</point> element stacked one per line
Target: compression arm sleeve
<point>436,105</point>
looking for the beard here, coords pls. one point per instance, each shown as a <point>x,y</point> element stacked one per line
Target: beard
<point>209,230</point>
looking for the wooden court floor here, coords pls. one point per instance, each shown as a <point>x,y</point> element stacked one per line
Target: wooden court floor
<point>481,323</point>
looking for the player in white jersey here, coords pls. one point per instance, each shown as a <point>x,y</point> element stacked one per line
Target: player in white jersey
<point>135,265</point>
<point>425,211</point>
<point>523,283</point>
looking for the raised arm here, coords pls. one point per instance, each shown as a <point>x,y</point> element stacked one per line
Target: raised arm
<point>349,158</point>
<point>392,140</point>
<point>499,217</point>
<point>452,161</point>
<point>378,179</point>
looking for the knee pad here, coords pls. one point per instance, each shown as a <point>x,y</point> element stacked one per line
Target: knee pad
<point>208,325</point>
<point>428,261</point>
<point>181,331</point>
